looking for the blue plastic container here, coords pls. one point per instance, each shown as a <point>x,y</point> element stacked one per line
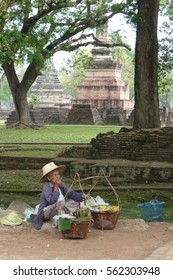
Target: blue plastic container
<point>152,211</point>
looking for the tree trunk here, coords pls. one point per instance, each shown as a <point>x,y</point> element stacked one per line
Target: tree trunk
<point>20,89</point>
<point>22,107</point>
<point>146,111</point>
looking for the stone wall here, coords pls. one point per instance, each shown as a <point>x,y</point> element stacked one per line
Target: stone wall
<point>125,173</point>
<point>83,114</point>
<point>53,114</point>
<point>143,145</point>
<point>36,117</point>
<point>166,116</point>
<point>114,116</point>
<point>4,114</point>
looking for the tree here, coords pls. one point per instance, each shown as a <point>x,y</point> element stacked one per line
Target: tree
<point>166,91</point>
<point>124,57</point>
<point>72,73</point>
<point>146,111</point>
<point>166,43</point>
<point>33,31</point>
<point>165,62</point>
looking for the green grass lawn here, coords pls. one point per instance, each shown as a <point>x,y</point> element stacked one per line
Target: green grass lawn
<point>55,133</point>
<point>51,133</point>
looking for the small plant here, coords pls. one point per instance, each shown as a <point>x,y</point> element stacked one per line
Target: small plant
<point>34,99</point>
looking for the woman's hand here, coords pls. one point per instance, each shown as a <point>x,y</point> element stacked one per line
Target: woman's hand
<point>57,183</point>
<point>85,196</point>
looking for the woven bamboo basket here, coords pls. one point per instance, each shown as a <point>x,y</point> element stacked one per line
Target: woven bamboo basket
<point>105,220</point>
<point>79,230</point>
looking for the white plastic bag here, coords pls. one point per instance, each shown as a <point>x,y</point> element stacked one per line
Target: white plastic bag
<point>100,201</point>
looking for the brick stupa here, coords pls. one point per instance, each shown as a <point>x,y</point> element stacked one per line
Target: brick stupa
<point>49,88</point>
<point>103,86</point>
<point>53,103</point>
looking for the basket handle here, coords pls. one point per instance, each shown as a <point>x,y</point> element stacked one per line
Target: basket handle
<point>106,178</point>
<point>153,201</point>
<point>109,183</point>
<point>77,178</point>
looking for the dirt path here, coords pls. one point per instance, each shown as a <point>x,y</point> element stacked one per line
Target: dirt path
<point>131,239</point>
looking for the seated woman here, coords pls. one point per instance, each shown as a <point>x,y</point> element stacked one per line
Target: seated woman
<point>53,193</point>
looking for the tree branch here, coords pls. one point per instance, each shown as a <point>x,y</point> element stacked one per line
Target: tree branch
<point>52,6</point>
<point>71,46</point>
<point>80,27</point>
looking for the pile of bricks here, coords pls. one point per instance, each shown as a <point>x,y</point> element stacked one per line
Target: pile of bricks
<point>141,145</point>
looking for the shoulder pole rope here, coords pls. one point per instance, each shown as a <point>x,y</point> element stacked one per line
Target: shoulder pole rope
<point>117,196</point>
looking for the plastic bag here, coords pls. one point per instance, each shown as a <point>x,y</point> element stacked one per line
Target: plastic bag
<point>90,202</point>
<point>100,201</point>
<point>28,212</point>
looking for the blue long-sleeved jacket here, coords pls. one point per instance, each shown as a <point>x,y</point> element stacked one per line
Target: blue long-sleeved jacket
<point>49,196</point>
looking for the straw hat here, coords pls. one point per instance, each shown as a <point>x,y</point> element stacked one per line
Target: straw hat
<point>11,219</point>
<point>50,167</point>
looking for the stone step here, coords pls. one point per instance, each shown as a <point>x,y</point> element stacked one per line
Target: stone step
<point>122,172</point>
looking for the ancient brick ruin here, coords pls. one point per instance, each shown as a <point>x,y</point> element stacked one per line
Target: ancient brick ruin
<point>140,145</point>
<point>53,103</point>
<point>143,156</point>
<point>4,113</point>
<point>166,116</point>
<point>103,86</point>
<point>36,117</point>
<point>49,89</point>
<point>83,114</point>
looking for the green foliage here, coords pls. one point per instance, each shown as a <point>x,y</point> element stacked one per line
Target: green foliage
<point>166,43</point>
<point>126,58</point>
<point>83,58</point>
<point>5,94</point>
<point>128,72</point>
<point>72,74</point>
<point>35,30</point>
<point>70,80</point>
<point>33,100</point>
<point>165,67</point>
<point>166,90</point>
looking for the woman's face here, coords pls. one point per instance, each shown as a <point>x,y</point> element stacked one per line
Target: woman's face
<point>53,176</point>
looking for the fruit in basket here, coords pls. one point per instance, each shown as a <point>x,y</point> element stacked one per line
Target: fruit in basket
<point>109,208</point>
<point>82,213</point>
